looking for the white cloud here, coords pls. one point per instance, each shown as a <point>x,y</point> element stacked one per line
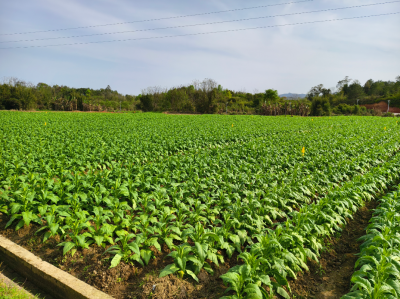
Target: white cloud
<point>291,58</point>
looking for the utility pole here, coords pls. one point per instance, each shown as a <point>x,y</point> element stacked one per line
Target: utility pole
<point>357,101</point>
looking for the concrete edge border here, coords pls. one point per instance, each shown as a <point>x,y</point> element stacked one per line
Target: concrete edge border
<point>12,284</point>
<point>54,281</point>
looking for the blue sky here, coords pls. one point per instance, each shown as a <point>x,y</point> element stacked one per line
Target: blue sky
<point>289,58</point>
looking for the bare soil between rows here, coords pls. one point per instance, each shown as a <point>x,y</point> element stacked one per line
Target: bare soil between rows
<point>330,279</point>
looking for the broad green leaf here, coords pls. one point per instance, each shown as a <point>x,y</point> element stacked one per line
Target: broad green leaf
<point>98,240</point>
<point>20,224</point>
<point>67,247</point>
<point>253,291</point>
<point>46,236</point>
<point>283,293</point>
<point>146,255</point>
<point>170,269</point>
<point>362,282</point>
<point>116,260</point>
<point>192,275</point>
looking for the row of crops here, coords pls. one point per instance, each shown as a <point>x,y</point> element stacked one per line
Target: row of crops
<point>204,186</point>
<point>284,251</point>
<point>378,268</point>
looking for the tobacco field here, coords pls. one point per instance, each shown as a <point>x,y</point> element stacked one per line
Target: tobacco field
<point>255,195</point>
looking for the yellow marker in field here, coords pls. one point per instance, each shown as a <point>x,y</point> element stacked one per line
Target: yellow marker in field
<point>232,125</point>
<point>312,119</point>
<point>303,150</point>
<point>44,123</point>
<point>385,128</point>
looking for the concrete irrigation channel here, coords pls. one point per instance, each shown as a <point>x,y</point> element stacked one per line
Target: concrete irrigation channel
<point>49,278</point>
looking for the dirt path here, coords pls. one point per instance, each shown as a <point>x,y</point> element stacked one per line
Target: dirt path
<point>331,279</point>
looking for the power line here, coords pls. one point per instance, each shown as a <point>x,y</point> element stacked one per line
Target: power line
<point>203,33</point>
<point>200,24</point>
<point>159,19</point>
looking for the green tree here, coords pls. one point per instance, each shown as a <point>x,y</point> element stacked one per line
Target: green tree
<point>342,83</point>
<point>320,107</point>
<point>146,102</point>
<point>318,90</point>
<point>368,86</point>
<point>271,95</point>
<point>257,99</point>
<point>354,90</point>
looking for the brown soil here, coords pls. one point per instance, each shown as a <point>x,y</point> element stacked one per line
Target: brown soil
<point>382,106</point>
<point>331,278</point>
<point>125,280</point>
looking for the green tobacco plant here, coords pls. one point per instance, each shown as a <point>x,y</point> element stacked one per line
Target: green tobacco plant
<point>226,183</point>
<point>168,233</point>
<point>378,275</point>
<point>126,251</point>
<point>145,225</point>
<point>181,258</point>
<point>101,231</point>
<point>200,252</point>
<point>74,227</point>
<point>242,280</point>
<point>23,208</point>
<point>285,246</point>
<point>52,225</point>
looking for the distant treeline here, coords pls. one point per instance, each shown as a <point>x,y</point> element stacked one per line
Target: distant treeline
<point>208,96</point>
<point>351,93</point>
<point>205,96</point>
<point>16,94</point>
